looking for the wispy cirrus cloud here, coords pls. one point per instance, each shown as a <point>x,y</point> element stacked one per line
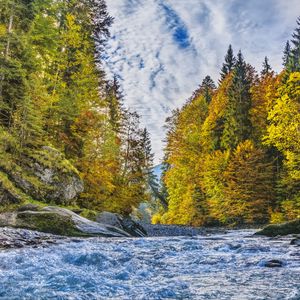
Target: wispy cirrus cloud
<point>162,49</point>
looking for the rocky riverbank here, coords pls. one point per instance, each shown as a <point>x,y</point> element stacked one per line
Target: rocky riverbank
<point>19,238</point>
<point>31,225</point>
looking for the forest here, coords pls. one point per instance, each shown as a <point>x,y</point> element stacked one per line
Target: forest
<point>54,94</point>
<point>232,153</point>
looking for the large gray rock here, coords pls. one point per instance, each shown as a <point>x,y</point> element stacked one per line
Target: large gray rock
<point>292,227</point>
<point>123,223</point>
<point>59,221</point>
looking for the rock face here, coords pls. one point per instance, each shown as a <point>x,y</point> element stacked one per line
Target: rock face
<point>43,174</point>
<point>59,221</point>
<point>124,223</point>
<point>292,227</point>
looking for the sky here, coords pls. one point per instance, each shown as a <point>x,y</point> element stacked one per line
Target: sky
<point>162,49</point>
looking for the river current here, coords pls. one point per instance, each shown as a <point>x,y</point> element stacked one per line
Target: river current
<point>218,266</point>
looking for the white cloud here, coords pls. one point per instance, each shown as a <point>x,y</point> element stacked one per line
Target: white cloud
<point>162,49</point>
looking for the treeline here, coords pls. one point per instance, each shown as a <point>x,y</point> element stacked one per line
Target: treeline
<point>232,152</point>
<point>53,92</point>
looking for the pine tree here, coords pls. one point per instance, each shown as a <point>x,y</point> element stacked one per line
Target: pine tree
<point>296,47</point>
<point>229,64</point>
<point>293,63</point>
<point>286,54</point>
<point>266,67</point>
<point>237,124</point>
<point>147,149</point>
<point>114,99</point>
<point>207,88</point>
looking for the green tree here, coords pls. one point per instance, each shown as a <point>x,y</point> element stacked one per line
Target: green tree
<point>237,124</point>
<point>286,54</point>
<point>229,63</point>
<point>266,67</point>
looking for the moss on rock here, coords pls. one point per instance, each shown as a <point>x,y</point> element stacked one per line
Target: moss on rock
<point>292,227</point>
<point>57,220</point>
<point>48,222</point>
<point>43,174</point>
<point>10,195</point>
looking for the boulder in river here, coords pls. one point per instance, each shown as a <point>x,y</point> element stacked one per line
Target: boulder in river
<point>295,242</point>
<point>123,223</point>
<point>292,227</point>
<point>273,263</point>
<point>59,221</point>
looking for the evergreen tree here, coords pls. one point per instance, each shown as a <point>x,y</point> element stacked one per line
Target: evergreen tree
<point>286,54</point>
<point>114,99</point>
<point>266,67</point>
<point>237,124</point>
<point>207,88</point>
<point>147,150</point>
<point>229,63</point>
<point>296,47</point>
<point>293,63</point>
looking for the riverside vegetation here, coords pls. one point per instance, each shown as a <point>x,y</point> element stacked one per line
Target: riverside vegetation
<point>232,152</point>
<point>65,137</point>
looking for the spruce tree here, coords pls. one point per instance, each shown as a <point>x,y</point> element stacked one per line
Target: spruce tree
<point>296,47</point>
<point>286,54</point>
<point>229,63</point>
<point>237,125</point>
<point>266,67</point>
<point>114,99</point>
<point>207,87</point>
<point>293,64</point>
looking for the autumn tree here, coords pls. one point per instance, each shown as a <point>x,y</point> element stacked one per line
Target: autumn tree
<point>283,133</point>
<point>249,185</point>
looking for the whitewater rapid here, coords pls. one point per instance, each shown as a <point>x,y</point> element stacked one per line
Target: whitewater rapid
<point>219,266</point>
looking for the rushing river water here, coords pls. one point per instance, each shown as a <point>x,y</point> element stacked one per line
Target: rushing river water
<point>221,266</point>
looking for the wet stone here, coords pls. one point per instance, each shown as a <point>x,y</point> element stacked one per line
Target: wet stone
<point>295,242</point>
<point>273,263</point>
<point>18,238</point>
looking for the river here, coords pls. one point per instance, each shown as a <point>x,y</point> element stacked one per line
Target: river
<point>217,266</point>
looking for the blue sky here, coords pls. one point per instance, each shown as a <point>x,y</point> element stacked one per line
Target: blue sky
<point>162,49</point>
